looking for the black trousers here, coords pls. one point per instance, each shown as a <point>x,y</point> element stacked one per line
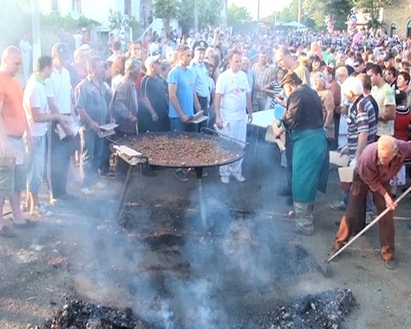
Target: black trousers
<point>59,153</point>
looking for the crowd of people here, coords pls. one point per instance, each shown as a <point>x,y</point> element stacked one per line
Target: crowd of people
<point>337,95</point>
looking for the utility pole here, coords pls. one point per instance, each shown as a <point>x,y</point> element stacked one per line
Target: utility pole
<point>258,15</point>
<point>299,11</point>
<point>35,24</point>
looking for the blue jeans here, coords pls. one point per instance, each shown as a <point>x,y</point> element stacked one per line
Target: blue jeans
<point>91,153</point>
<point>37,163</point>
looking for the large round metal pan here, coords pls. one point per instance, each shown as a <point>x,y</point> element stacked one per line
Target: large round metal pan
<point>236,149</point>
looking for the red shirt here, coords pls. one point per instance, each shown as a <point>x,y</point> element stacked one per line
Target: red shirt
<point>401,122</point>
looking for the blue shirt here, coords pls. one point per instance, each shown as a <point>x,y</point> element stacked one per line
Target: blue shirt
<point>200,78</point>
<point>184,79</point>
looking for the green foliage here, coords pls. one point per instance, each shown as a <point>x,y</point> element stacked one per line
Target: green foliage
<point>167,10</point>
<point>55,21</point>
<point>209,14</point>
<point>338,9</point>
<point>239,18</point>
<point>290,13</point>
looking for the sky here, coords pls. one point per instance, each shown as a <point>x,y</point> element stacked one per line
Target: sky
<point>267,7</point>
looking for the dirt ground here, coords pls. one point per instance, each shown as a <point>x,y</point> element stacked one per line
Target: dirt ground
<point>177,271</point>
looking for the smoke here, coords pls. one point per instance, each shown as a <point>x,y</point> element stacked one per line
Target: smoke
<point>173,270</point>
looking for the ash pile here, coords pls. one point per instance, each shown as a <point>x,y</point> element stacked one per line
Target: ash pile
<point>77,314</point>
<point>322,311</point>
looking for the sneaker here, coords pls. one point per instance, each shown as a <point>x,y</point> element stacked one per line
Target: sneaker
<point>391,264</point>
<point>181,175</point>
<point>240,178</point>
<point>107,174</point>
<point>100,186</point>
<point>7,232</point>
<point>41,210</point>
<point>225,179</point>
<point>87,191</point>
<point>341,206</point>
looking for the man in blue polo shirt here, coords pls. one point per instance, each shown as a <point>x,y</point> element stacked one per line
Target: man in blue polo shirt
<point>182,98</point>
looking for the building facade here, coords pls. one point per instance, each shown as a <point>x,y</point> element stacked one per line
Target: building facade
<point>397,18</point>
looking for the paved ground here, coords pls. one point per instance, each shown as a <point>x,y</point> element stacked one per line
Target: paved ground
<point>170,267</point>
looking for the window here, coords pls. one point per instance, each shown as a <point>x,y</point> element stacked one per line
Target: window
<point>127,7</point>
<point>55,5</point>
<point>77,5</point>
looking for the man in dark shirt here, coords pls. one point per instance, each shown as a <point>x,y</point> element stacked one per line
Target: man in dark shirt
<point>376,166</point>
<point>154,113</point>
<point>92,99</point>
<point>303,120</point>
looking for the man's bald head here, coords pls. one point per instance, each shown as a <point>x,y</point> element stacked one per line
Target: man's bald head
<point>284,59</point>
<point>11,61</point>
<point>387,149</point>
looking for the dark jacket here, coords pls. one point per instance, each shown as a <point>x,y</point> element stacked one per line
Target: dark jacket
<point>304,110</point>
<point>124,105</point>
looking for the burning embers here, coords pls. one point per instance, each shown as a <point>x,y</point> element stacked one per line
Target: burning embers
<point>322,311</point>
<point>81,315</point>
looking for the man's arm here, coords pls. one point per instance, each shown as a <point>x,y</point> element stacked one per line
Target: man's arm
<point>4,141</point>
<point>119,103</point>
<point>217,107</point>
<point>149,107</point>
<point>362,143</point>
<point>249,107</point>
<point>172,92</point>
<point>388,114</point>
<point>197,105</point>
<point>84,115</point>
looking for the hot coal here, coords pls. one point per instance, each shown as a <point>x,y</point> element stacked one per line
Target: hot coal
<point>76,314</point>
<point>322,311</point>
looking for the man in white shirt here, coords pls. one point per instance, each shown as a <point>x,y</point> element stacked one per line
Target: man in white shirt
<point>385,98</point>
<point>38,116</point>
<point>58,88</point>
<point>232,99</point>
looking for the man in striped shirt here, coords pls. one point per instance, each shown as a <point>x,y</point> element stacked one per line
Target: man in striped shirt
<point>362,126</point>
<point>362,123</point>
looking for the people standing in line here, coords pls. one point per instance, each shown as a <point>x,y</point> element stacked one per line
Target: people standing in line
<point>38,117</point>
<point>154,98</point>
<point>303,120</point>
<point>62,141</point>
<point>92,99</point>
<point>13,125</point>
<point>232,101</point>
<point>183,99</point>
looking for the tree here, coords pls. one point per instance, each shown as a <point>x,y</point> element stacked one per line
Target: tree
<point>372,7</point>
<point>337,9</point>
<point>167,10</point>
<point>239,18</point>
<point>209,14</point>
<point>290,13</point>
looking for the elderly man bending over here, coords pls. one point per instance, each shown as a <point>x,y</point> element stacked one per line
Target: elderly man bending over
<point>376,166</point>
